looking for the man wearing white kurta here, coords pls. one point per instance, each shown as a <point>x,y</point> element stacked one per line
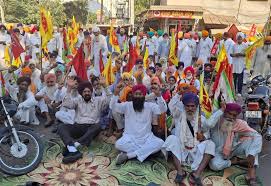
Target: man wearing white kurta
<point>229,43</point>
<point>21,94</point>
<point>138,140</point>
<point>238,62</point>
<point>205,46</point>
<point>185,50</point>
<point>4,41</point>
<point>98,49</point>
<point>35,44</point>
<point>189,144</point>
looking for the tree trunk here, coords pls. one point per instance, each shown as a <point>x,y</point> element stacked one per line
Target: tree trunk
<point>2,12</point>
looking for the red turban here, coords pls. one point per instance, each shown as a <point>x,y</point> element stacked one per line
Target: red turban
<point>190,68</point>
<point>233,107</point>
<point>187,36</point>
<point>142,88</point>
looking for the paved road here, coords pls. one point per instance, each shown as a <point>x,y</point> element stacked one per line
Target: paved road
<point>265,164</point>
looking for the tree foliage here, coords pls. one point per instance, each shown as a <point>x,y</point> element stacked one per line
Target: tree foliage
<point>78,9</point>
<point>141,5</point>
<point>27,11</point>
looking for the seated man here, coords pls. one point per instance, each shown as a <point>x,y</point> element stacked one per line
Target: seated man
<point>233,137</point>
<point>87,117</point>
<point>25,98</point>
<point>46,96</point>
<point>138,140</point>
<point>188,145</point>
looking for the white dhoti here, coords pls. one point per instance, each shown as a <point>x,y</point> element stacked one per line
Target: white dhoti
<point>248,147</point>
<point>142,147</point>
<point>27,116</point>
<point>43,106</point>
<point>66,115</point>
<point>191,157</point>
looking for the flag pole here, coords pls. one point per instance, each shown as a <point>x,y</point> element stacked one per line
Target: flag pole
<point>41,54</point>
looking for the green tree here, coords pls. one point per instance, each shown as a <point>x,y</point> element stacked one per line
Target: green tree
<point>141,5</point>
<point>78,9</point>
<point>92,18</point>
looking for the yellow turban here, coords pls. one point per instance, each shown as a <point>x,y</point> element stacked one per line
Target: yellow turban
<point>205,33</point>
<point>126,75</point>
<point>180,35</point>
<point>267,38</point>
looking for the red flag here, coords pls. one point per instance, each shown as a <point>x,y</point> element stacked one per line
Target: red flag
<point>215,47</point>
<point>101,63</point>
<point>133,55</point>
<point>79,65</point>
<point>16,47</point>
<point>233,30</point>
<point>252,31</point>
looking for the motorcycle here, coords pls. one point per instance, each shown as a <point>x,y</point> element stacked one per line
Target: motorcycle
<point>21,150</point>
<point>257,107</point>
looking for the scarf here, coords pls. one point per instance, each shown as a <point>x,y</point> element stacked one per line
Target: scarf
<point>186,137</point>
<point>238,127</point>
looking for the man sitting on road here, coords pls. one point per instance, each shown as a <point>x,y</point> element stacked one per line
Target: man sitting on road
<point>87,117</point>
<point>233,137</point>
<point>138,140</point>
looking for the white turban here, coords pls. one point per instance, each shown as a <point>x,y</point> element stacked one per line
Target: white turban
<point>32,61</point>
<point>240,34</point>
<point>95,29</point>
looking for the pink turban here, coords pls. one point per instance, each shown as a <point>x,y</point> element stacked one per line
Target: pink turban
<point>50,76</point>
<point>142,88</point>
<point>233,107</point>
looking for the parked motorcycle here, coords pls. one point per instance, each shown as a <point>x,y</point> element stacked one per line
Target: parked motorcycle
<point>21,150</point>
<point>257,107</point>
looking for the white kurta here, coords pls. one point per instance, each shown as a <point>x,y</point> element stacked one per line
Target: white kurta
<point>185,51</point>
<point>98,44</point>
<point>261,64</point>
<point>205,46</point>
<point>4,37</point>
<point>33,41</point>
<point>229,43</point>
<point>238,63</point>
<point>50,94</point>
<point>26,110</point>
<point>137,136</point>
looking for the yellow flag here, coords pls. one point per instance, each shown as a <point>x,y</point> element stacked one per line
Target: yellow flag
<point>46,27</point>
<point>108,72</point>
<point>7,55</point>
<point>172,56</point>
<point>145,59</point>
<point>205,102</point>
<point>220,58</point>
<point>16,62</point>
<point>250,51</point>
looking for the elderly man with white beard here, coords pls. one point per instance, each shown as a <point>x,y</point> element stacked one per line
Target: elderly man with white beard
<point>234,138</point>
<point>46,96</point>
<point>138,140</point>
<point>99,50</point>
<point>190,143</point>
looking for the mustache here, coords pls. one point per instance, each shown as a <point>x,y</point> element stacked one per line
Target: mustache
<point>138,104</point>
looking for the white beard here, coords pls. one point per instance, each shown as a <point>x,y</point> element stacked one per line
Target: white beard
<point>51,91</point>
<point>226,126</point>
<point>190,117</point>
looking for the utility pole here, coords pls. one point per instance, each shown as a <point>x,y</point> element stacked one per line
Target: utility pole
<point>102,9</point>
<point>2,12</point>
<point>238,10</point>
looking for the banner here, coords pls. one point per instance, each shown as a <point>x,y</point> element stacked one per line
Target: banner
<point>252,31</point>
<point>215,47</point>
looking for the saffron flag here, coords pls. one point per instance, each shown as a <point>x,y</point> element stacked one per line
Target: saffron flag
<point>252,31</point>
<point>133,55</point>
<point>250,51</point>
<point>72,35</point>
<point>108,72</point>
<point>46,27</point>
<point>205,102</point>
<point>145,59</point>
<point>79,65</point>
<point>7,55</point>
<point>221,57</point>
<point>113,39</point>
<point>172,55</point>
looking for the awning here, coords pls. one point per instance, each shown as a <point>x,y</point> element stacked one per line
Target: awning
<point>218,21</point>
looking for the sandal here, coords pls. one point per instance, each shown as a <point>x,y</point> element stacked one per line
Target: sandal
<point>194,180</point>
<point>251,181</point>
<point>179,178</point>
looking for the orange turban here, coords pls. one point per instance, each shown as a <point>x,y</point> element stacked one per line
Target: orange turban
<point>138,74</point>
<point>125,93</point>
<point>205,33</point>
<point>26,70</point>
<point>182,86</point>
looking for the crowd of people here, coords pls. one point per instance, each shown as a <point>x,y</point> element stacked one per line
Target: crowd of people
<point>134,108</point>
